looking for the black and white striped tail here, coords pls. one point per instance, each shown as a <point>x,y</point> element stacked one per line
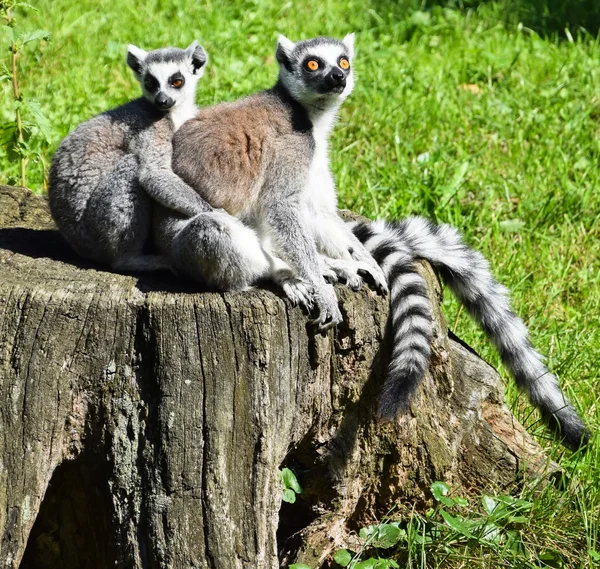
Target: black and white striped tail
<point>411,321</point>
<point>468,274</point>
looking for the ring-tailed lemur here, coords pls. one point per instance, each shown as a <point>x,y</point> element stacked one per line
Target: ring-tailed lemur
<point>106,173</point>
<point>264,160</point>
<point>468,275</point>
<point>239,156</point>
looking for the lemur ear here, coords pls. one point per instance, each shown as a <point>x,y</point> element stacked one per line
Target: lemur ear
<point>285,47</point>
<point>136,58</point>
<point>197,54</point>
<point>348,41</point>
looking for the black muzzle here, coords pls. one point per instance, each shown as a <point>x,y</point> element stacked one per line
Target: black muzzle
<point>163,102</point>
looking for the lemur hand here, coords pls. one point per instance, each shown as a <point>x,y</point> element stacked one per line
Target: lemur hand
<point>373,274</point>
<point>353,273</point>
<point>343,271</point>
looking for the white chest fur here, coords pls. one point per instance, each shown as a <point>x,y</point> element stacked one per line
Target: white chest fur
<point>321,187</point>
<point>182,113</point>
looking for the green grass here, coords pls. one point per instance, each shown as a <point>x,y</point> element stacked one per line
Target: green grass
<point>456,115</point>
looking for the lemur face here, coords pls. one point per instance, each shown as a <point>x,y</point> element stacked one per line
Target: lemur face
<point>317,70</point>
<point>168,76</point>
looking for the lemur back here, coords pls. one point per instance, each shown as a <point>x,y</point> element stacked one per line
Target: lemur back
<point>106,173</point>
<point>238,142</point>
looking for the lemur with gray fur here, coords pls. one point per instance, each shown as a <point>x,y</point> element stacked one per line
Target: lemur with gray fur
<point>263,159</point>
<point>108,171</point>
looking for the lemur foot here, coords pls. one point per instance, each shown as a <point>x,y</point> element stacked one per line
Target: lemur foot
<point>329,310</point>
<point>299,293</point>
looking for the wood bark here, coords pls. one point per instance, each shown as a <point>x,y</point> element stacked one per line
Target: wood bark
<point>143,421</point>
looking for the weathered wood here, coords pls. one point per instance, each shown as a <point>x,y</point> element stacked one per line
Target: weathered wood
<point>143,422</point>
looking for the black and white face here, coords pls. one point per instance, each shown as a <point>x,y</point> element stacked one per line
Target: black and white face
<point>168,76</point>
<point>316,70</point>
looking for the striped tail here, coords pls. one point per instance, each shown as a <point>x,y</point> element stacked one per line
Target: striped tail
<point>410,311</point>
<point>468,274</point>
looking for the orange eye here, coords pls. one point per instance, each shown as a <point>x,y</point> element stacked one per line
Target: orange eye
<point>177,83</point>
<point>312,65</point>
<point>344,63</point>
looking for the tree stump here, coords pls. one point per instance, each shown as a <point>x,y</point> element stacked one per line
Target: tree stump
<point>143,421</point>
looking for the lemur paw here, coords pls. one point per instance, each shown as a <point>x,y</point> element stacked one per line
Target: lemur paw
<point>329,310</point>
<point>347,272</point>
<point>299,293</point>
<point>329,275</point>
<point>375,276</point>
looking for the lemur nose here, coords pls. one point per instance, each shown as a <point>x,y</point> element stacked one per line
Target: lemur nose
<point>338,77</point>
<point>163,101</point>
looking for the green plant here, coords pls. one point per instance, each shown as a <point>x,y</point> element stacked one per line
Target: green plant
<point>290,486</point>
<point>27,120</point>
<point>496,527</point>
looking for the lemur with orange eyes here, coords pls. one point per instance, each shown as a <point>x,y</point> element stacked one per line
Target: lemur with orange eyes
<point>264,160</point>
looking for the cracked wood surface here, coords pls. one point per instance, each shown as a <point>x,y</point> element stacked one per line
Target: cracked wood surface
<point>143,422</point>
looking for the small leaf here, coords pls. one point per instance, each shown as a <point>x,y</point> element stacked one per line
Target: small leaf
<point>33,36</point>
<point>489,504</point>
<point>387,536</point>
<point>290,481</point>
<point>594,555</point>
<point>368,532</point>
<point>449,502</point>
<point>299,566</point>
<point>462,502</point>
<point>366,564</point>
<point>439,489</point>
<point>457,524</point>
<point>551,558</point>
<point>40,119</point>
<point>343,557</point>
<point>492,533</point>
<point>289,496</point>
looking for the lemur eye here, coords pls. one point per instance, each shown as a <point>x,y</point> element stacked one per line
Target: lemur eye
<point>344,63</point>
<point>312,65</point>
<point>177,83</point>
<point>148,84</point>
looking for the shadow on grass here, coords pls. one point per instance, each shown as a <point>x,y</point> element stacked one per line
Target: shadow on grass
<point>546,17</point>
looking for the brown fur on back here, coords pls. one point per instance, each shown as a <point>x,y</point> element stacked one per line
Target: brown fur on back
<point>224,151</point>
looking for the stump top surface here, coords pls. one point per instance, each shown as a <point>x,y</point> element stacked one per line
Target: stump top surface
<point>33,254</point>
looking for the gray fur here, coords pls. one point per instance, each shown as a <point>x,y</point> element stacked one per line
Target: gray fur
<point>468,275</point>
<point>106,174</point>
<point>264,160</point>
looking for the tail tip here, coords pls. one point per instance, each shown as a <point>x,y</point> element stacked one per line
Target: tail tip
<point>569,427</point>
<point>390,408</point>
